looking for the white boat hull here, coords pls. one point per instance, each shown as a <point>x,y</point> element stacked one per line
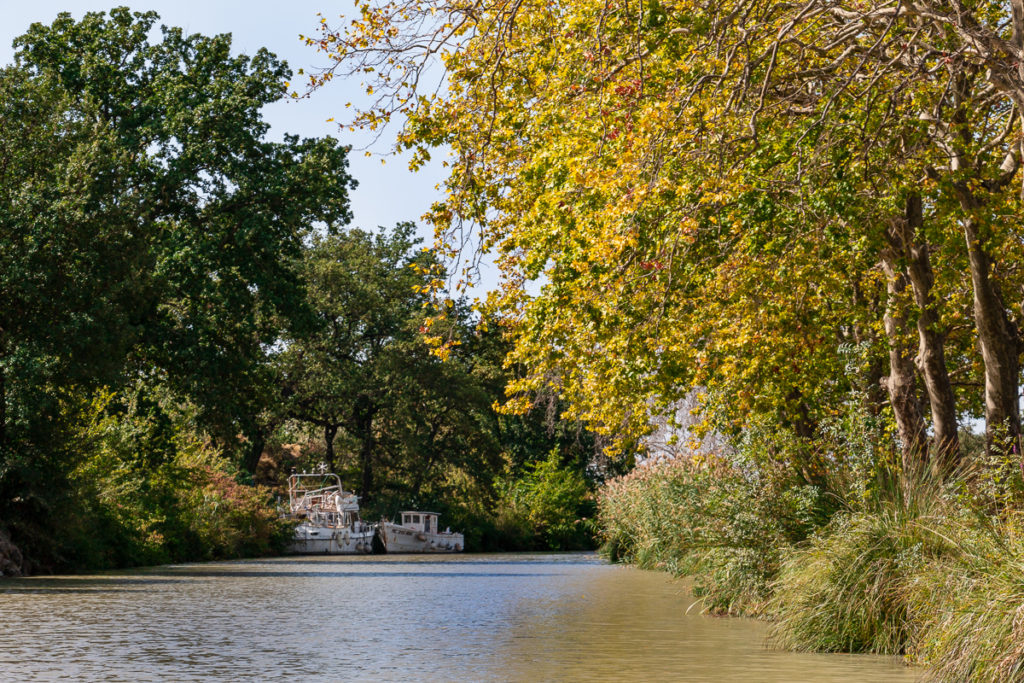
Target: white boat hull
<point>400,539</point>
<point>310,539</point>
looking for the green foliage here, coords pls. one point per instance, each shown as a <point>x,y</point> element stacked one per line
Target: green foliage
<point>730,518</point>
<point>228,519</point>
<point>364,377</point>
<point>920,570</point>
<point>175,288</point>
<point>130,510</point>
<point>869,559</point>
<point>148,225</point>
<point>546,507</point>
<point>148,235</point>
<point>908,564</point>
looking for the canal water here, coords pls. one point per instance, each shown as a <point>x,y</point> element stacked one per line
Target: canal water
<point>515,617</point>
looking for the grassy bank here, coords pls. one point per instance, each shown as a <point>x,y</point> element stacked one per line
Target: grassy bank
<point>908,565</point>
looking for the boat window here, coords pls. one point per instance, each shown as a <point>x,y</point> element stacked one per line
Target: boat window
<point>415,519</point>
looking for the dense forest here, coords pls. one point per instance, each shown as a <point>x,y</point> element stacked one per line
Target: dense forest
<point>186,316</point>
<point>779,246</point>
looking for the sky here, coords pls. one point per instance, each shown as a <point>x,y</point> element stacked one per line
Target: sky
<point>387,193</point>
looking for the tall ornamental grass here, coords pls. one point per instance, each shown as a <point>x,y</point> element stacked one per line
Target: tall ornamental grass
<point>971,607</point>
<point>708,518</point>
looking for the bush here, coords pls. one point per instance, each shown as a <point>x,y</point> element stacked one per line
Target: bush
<point>149,491</point>
<point>226,519</point>
<point>546,508</point>
<point>847,591</point>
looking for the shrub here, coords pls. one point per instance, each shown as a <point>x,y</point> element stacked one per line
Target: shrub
<point>870,559</point>
<point>229,519</point>
<point>545,508</point>
<point>148,491</point>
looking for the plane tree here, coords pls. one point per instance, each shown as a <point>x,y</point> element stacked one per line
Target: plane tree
<point>724,195</point>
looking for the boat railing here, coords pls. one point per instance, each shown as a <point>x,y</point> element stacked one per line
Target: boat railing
<point>304,498</point>
<point>297,486</point>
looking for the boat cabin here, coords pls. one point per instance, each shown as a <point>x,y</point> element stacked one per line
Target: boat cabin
<point>321,499</point>
<point>421,521</point>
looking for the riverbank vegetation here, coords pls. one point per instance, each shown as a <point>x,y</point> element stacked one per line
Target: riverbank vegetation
<point>910,565</point>
<point>788,234</point>
<point>186,315</point>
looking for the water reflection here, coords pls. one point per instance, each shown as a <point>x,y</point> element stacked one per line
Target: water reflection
<point>495,617</point>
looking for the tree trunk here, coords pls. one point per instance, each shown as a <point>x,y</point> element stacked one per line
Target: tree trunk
<point>902,379</point>
<point>869,385</point>
<point>807,463</point>
<point>363,418</point>
<point>330,431</point>
<point>257,441</point>
<point>3,408</point>
<point>998,339</point>
<point>366,462</point>
<point>931,354</point>
<point>997,336</point>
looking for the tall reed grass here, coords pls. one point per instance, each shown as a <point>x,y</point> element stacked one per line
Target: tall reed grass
<point>708,518</point>
<point>848,588</point>
<point>970,606</point>
<point>913,564</point>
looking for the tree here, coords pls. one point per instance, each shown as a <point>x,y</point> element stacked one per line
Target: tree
<point>712,194</point>
<point>148,234</point>
<point>352,369</point>
<point>214,213</point>
<point>71,261</point>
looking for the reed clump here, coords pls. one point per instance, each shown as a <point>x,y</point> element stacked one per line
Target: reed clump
<point>970,605</point>
<point>710,518</point>
<point>849,588</point>
<point>932,570</point>
<point>914,564</point>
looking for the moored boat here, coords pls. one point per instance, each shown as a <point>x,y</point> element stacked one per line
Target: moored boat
<point>418,533</point>
<point>328,517</point>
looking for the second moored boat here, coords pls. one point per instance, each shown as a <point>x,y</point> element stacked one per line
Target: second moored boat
<point>418,533</point>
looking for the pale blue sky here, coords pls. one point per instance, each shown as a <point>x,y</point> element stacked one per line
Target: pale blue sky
<point>386,194</point>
